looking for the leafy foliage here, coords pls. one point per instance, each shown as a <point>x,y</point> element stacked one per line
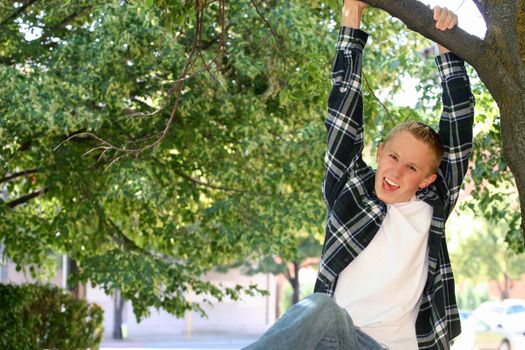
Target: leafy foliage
<point>45,317</point>
<point>237,175</point>
<point>483,255</point>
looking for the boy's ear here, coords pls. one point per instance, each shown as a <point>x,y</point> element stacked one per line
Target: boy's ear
<point>379,150</point>
<point>426,182</point>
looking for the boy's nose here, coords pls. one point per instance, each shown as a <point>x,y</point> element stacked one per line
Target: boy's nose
<point>397,171</point>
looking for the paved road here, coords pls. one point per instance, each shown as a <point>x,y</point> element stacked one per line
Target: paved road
<point>209,341</point>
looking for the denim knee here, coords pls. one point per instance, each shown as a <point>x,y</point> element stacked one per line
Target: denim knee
<point>322,301</point>
<point>321,298</point>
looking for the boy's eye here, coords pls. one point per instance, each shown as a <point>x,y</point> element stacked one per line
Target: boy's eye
<point>393,156</point>
<point>412,168</point>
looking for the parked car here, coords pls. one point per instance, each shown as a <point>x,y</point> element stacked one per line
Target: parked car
<point>487,337</point>
<point>464,315</point>
<point>483,334</point>
<point>508,314</point>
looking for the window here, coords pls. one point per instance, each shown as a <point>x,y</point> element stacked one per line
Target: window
<point>515,309</point>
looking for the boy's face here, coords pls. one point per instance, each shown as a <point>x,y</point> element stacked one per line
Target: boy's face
<point>404,165</point>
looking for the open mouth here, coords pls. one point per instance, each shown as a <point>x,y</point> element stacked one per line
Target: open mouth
<point>390,185</point>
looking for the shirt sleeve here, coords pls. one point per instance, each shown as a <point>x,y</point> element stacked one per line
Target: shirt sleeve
<point>344,121</point>
<point>455,126</point>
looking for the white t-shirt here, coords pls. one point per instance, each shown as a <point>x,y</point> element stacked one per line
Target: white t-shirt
<point>381,289</point>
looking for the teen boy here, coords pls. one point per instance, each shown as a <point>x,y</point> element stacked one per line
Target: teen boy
<point>385,280</point>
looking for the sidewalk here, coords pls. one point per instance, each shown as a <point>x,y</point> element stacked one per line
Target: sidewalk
<point>200,341</point>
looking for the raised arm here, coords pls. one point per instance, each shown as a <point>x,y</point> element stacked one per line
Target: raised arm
<point>344,121</point>
<point>445,19</point>
<point>351,13</point>
<point>457,118</point>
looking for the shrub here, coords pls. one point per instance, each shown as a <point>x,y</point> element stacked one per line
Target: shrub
<point>46,317</point>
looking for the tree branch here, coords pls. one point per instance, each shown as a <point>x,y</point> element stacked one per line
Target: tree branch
<point>116,235</point>
<point>119,237</point>
<point>392,120</point>
<point>17,12</point>
<point>520,29</point>
<point>69,19</point>
<point>9,177</point>
<point>176,90</point>
<point>482,7</point>
<point>27,197</point>
<point>419,18</point>
<point>272,32</point>
<point>210,185</point>
<point>216,187</point>
<point>6,60</point>
<point>502,34</point>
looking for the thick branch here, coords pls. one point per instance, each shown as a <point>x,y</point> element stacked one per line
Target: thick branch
<point>65,21</point>
<point>9,177</point>
<point>419,18</point>
<point>520,29</point>
<point>482,7</point>
<point>502,37</point>
<point>27,197</point>
<point>6,60</point>
<point>17,12</point>
<point>119,237</point>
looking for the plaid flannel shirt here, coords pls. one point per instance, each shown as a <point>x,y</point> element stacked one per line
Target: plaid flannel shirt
<point>354,213</point>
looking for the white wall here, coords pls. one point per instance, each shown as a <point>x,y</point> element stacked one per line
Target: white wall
<point>251,315</point>
<point>10,275</point>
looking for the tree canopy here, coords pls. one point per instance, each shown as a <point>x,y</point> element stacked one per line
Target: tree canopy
<point>153,142</point>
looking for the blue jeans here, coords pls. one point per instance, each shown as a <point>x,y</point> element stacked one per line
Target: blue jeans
<point>315,323</point>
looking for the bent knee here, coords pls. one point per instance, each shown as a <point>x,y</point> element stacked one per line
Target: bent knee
<point>320,300</point>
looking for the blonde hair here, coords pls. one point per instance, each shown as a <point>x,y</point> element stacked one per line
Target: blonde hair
<point>424,133</point>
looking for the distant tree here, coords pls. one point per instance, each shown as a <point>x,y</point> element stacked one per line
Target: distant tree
<point>306,254</point>
<point>472,296</point>
<point>482,255</point>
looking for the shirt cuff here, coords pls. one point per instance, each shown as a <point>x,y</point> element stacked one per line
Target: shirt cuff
<point>351,39</point>
<point>450,65</point>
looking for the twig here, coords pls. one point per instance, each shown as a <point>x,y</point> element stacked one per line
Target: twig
<point>392,120</point>
<point>175,90</point>
<point>274,35</point>
<point>216,187</point>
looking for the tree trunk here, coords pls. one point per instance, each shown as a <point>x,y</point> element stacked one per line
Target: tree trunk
<point>508,284</point>
<point>513,128</point>
<point>3,267</point>
<point>294,281</point>
<point>119,314</point>
<point>78,289</point>
<point>278,289</point>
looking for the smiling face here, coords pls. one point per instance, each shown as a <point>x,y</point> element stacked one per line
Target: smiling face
<point>404,165</point>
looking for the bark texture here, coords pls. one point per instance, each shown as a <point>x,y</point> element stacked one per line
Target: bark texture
<point>499,60</point>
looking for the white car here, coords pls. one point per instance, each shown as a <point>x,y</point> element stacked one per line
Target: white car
<point>490,338</point>
<point>508,315</point>
<point>494,325</point>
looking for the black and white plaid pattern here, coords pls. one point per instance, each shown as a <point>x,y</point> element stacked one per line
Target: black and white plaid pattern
<point>354,213</point>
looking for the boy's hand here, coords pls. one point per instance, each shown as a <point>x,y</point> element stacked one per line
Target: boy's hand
<point>445,19</point>
<point>352,12</point>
